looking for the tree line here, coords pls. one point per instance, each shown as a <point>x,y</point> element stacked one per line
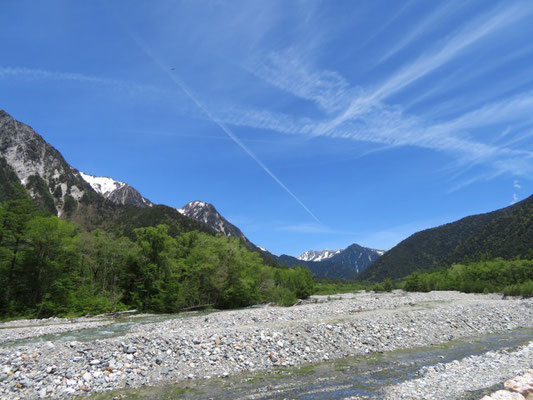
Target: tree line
<point>50,266</point>
<point>510,277</point>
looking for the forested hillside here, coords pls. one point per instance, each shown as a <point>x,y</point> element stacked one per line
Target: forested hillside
<point>511,277</point>
<point>506,233</point>
<point>50,266</point>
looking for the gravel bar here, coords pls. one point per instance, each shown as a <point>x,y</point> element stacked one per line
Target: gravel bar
<point>11,334</point>
<point>230,342</point>
<point>447,381</point>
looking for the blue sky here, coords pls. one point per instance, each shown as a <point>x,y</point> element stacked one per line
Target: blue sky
<point>309,124</point>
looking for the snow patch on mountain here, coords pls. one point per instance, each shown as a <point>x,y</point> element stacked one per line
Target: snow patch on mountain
<point>115,191</point>
<point>316,256</point>
<point>102,184</point>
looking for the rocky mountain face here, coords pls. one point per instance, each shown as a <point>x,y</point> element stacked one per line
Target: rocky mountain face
<point>56,185</point>
<point>345,264</point>
<point>207,214</point>
<point>115,191</point>
<point>96,201</point>
<point>506,233</point>
<point>40,167</point>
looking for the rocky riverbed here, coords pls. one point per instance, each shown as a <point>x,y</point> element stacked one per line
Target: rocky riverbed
<point>23,329</point>
<point>452,380</point>
<point>231,342</point>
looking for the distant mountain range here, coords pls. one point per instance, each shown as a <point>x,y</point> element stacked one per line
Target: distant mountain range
<point>345,264</point>
<point>105,203</point>
<point>102,202</point>
<point>505,233</point>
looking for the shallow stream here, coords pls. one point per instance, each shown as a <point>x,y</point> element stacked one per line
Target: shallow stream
<point>357,377</point>
<point>118,327</point>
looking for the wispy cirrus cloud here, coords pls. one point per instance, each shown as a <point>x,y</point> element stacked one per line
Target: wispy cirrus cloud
<point>387,125</point>
<point>429,62</point>
<point>483,26</point>
<point>427,24</point>
<point>328,89</point>
<point>313,228</point>
<point>352,112</point>
<point>462,76</point>
<point>40,74</point>
<point>517,187</point>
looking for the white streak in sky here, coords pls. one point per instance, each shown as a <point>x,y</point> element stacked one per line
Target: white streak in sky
<point>173,76</point>
<point>328,89</point>
<point>39,74</point>
<point>427,63</point>
<point>363,114</point>
<point>428,23</point>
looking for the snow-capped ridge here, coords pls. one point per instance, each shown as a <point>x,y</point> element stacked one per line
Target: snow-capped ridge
<point>317,255</point>
<point>207,214</point>
<point>115,191</point>
<point>102,184</point>
<point>346,263</point>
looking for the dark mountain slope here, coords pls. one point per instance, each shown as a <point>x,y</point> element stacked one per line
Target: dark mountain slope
<point>356,257</point>
<point>320,269</point>
<point>506,233</point>
<point>8,180</point>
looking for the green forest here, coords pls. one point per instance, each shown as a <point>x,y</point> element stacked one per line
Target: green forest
<point>510,277</point>
<point>50,266</point>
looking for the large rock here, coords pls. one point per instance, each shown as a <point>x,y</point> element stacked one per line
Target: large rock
<point>522,384</point>
<point>504,395</point>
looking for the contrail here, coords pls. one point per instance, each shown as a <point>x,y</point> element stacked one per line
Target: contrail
<point>173,76</point>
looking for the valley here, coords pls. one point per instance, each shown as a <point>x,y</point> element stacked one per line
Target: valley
<point>266,200</point>
<point>75,244</point>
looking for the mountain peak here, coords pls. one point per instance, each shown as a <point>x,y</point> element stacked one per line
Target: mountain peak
<point>197,205</point>
<point>345,264</point>
<point>208,215</point>
<point>115,191</point>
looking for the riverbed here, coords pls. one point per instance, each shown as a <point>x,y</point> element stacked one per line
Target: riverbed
<point>295,352</point>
